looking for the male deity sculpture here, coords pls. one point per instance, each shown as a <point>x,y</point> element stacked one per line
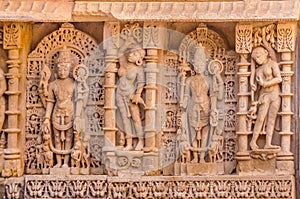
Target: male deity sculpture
<point>64,107</point>
<point>199,103</point>
<point>128,96</point>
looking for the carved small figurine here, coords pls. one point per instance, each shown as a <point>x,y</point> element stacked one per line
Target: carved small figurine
<point>76,155</point>
<point>128,96</point>
<point>265,80</point>
<point>183,146</point>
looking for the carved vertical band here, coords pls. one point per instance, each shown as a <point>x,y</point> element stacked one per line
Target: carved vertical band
<point>286,45</point>
<point>111,30</point>
<point>243,47</point>
<point>12,42</point>
<point>151,43</point>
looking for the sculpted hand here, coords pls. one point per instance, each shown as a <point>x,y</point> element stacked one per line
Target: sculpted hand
<point>260,81</point>
<point>77,124</point>
<point>253,87</point>
<point>46,126</point>
<point>136,99</point>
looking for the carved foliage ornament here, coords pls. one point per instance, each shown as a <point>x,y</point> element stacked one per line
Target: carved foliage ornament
<point>243,39</point>
<point>286,37</point>
<point>12,35</point>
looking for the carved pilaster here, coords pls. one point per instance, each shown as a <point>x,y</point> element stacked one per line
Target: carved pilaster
<point>286,46</point>
<point>12,42</point>
<point>243,47</point>
<point>151,42</point>
<point>111,35</point>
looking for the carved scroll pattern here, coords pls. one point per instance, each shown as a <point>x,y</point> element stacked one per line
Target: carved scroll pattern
<point>229,149</point>
<point>81,46</point>
<point>169,98</point>
<point>160,188</point>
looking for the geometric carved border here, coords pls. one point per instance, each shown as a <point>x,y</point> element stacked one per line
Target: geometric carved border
<point>96,186</point>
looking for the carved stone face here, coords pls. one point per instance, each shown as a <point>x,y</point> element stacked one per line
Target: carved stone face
<point>133,56</point>
<point>260,55</point>
<point>63,70</point>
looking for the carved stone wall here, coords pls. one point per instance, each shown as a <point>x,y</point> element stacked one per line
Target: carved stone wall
<point>120,102</point>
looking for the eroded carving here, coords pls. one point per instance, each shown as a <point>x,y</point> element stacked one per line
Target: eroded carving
<point>128,96</point>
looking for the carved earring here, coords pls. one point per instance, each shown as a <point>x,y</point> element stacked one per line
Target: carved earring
<point>139,62</point>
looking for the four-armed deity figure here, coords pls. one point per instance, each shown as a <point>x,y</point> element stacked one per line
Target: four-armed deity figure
<point>61,112</point>
<point>128,96</point>
<point>265,80</point>
<point>201,93</point>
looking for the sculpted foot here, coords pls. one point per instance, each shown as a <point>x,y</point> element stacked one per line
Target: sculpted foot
<point>139,146</point>
<point>64,166</point>
<point>128,148</point>
<point>270,146</point>
<point>253,146</point>
<point>57,165</point>
<point>194,160</point>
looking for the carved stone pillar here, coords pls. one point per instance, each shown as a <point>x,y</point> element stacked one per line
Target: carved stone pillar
<point>111,45</point>
<point>151,42</point>
<point>286,46</point>
<point>12,43</point>
<point>243,47</point>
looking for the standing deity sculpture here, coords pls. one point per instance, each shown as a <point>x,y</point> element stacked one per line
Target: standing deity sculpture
<point>128,96</point>
<point>65,101</point>
<point>199,103</point>
<point>265,79</point>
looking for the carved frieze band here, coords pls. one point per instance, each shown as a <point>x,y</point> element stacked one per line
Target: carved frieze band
<point>159,187</point>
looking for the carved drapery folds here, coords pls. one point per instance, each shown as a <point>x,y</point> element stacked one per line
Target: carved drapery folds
<point>59,134</point>
<point>265,82</point>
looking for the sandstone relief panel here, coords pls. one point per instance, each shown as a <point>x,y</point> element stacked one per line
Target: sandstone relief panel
<point>140,105</point>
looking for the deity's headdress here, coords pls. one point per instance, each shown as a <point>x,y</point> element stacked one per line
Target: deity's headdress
<point>64,55</point>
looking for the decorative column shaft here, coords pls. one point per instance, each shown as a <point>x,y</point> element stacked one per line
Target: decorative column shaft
<point>243,47</point>
<point>286,45</point>
<point>12,158</point>
<point>111,45</point>
<point>151,42</point>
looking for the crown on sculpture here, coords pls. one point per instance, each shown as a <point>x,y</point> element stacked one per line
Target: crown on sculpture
<point>64,55</point>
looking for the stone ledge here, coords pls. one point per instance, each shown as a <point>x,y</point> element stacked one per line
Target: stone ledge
<point>188,11</point>
<point>96,186</point>
<point>44,11</point>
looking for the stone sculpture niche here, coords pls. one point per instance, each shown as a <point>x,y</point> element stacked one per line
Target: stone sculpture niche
<point>268,101</point>
<point>64,127</point>
<point>62,110</point>
<point>201,100</point>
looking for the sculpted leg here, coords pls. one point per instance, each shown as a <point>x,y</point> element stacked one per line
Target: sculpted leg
<point>261,116</point>
<point>204,137</point>
<point>271,124</point>
<point>125,114</point>
<point>57,146</point>
<point>135,114</point>
<point>68,145</point>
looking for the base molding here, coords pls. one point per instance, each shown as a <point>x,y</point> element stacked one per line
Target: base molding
<point>102,186</point>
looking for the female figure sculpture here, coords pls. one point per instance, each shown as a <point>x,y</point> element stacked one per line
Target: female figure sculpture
<point>128,96</point>
<point>265,80</point>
